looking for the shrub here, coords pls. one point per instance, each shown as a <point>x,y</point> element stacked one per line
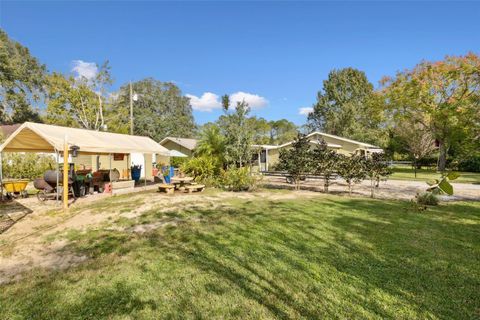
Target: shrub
<point>239,179</point>
<point>324,163</point>
<point>471,164</point>
<point>26,166</point>
<point>297,161</point>
<point>177,162</point>
<point>351,169</point>
<point>204,169</point>
<point>376,166</point>
<point>427,199</point>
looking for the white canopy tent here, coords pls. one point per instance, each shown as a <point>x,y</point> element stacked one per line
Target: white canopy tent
<point>36,137</point>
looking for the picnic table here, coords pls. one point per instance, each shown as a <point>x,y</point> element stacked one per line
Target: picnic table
<point>181,182</point>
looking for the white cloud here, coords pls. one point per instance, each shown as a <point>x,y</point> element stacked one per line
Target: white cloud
<point>84,69</point>
<point>210,101</point>
<point>254,100</point>
<point>207,102</point>
<point>305,111</point>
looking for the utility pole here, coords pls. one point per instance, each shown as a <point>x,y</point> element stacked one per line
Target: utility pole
<point>65,174</point>
<point>131,109</point>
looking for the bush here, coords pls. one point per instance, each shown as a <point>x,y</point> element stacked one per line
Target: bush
<point>26,166</point>
<point>204,169</point>
<point>239,179</point>
<point>177,162</point>
<point>471,164</point>
<point>351,169</point>
<point>427,199</point>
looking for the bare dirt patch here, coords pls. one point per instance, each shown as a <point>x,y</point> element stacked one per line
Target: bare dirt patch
<point>28,243</point>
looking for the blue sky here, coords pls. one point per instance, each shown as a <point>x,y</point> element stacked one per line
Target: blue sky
<point>274,54</point>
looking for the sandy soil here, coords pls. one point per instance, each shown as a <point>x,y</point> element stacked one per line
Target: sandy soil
<point>25,244</point>
<point>28,223</point>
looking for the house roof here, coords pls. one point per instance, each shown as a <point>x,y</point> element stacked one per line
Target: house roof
<point>187,143</point>
<point>36,137</point>
<point>331,145</point>
<point>363,144</point>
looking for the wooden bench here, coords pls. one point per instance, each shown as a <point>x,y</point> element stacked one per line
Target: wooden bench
<point>167,188</point>
<point>194,187</point>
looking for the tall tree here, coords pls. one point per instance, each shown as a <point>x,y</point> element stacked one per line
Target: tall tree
<point>22,78</point>
<point>417,141</point>
<point>236,128</point>
<point>282,131</point>
<point>443,96</point>
<point>160,110</point>
<point>78,101</point>
<point>261,130</point>
<point>348,107</point>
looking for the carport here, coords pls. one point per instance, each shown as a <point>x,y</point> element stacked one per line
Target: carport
<point>43,138</point>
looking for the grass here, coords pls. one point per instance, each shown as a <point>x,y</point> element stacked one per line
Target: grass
<point>329,257</point>
<point>407,173</point>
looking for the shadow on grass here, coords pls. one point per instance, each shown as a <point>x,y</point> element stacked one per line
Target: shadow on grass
<point>98,302</point>
<point>297,259</point>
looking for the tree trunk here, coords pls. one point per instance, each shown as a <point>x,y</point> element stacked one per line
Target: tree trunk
<point>415,166</point>
<point>372,187</point>
<point>442,157</point>
<point>100,106</point>
<point>325,185</point>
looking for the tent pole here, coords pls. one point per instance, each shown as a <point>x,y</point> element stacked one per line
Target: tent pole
<point>58,173</point>
<point>110,171</point>
<point>126,159</point>
<point>1,173</point>
<point>65,174</point>
<point>128,167</point>
<point>145,164</point>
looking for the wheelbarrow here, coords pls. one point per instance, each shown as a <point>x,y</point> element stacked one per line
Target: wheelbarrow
<point>15,189</point>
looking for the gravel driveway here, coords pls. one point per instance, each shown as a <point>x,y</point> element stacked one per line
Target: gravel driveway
<point>391,189</point>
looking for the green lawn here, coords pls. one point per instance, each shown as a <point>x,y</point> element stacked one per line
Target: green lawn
<point>323,258</point>
<point>407,173</point>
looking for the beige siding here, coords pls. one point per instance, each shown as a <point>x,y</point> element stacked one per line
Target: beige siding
<point>83,162</point>
<point>347,147</point>
<point>123,166</point>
